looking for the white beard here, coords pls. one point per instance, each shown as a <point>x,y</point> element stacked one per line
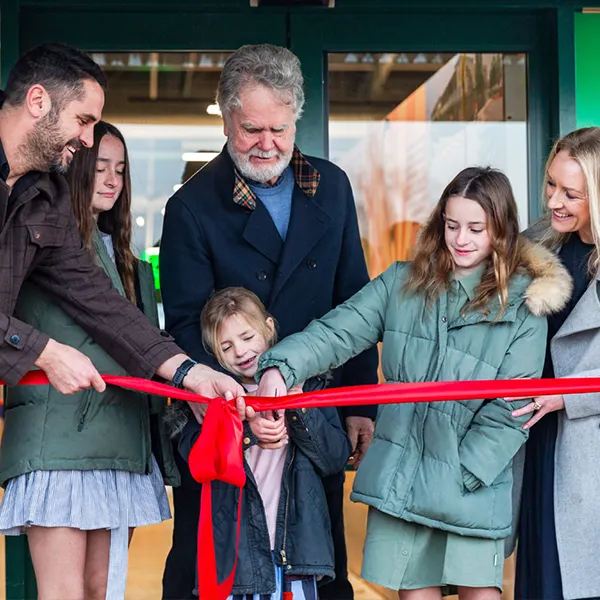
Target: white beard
<point>262,174</point>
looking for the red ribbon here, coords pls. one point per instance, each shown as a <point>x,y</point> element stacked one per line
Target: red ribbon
<point>217,454</point>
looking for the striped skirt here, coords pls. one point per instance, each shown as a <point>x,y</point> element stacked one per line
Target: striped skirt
<point>87,500</point>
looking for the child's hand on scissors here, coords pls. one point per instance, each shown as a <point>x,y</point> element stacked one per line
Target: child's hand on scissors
<point>270,431</point>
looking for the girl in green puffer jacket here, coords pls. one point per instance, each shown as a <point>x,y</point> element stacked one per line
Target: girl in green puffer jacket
<point>437,477</point>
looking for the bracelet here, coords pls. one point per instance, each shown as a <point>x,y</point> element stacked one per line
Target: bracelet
<point>182,370</point>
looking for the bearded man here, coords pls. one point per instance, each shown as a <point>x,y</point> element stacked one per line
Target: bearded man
<point>263,216</point>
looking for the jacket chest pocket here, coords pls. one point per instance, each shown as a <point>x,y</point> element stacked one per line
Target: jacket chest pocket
<point>46,235</point>
<point>38,239</point>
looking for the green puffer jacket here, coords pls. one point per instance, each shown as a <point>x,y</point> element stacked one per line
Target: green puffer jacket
<point>45,430</point>
<point>445,465</point>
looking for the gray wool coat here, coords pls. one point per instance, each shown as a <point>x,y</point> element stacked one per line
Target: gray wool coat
<point>575,352</point>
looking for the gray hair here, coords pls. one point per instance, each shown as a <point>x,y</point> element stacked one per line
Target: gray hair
<point>272,66</point>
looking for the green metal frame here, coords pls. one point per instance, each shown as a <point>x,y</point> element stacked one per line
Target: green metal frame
<point>544,29</point>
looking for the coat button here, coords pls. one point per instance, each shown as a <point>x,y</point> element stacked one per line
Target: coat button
<point>37,235</point>
<point>164,333</point>
<point>304,411</point>
<point>15,339</point>
<point>444,319</point>
<point>261,275</point>
<point>311,263</point>
<point>247,441</point>
<point>294,418</point>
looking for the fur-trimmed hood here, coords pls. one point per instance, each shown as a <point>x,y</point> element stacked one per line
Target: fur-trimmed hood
<point>551,286</point>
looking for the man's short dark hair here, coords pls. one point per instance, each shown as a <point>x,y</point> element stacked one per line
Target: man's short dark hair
<point>59,68</point>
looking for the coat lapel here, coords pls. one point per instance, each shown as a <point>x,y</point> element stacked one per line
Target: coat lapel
<point>585,315</point>
<point>261,233</point>
<point>308,224</point>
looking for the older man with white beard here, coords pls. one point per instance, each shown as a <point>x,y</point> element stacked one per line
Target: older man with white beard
<point>263,216</point>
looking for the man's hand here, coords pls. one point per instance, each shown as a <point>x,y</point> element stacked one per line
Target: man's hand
<point>360,431</point>
<point>199,410</point>
<point>68,370</point>
<point>201,379</point>
<point>210,383</point>
<point>272,383</point>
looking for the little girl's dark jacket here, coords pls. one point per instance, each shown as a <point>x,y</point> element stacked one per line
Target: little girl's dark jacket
<point>303,544</point>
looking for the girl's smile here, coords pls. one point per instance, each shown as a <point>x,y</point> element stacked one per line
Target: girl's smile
<point>241,343</point>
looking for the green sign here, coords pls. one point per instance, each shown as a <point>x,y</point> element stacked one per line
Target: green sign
<point>151,255</point>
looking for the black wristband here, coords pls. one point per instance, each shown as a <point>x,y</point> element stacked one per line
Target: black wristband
<point>182,370</point>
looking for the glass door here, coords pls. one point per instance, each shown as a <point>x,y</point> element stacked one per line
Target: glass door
<point>404,100</point>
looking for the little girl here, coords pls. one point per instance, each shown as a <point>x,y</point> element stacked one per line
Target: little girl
<point>437,476</point>
<point>285,542</point>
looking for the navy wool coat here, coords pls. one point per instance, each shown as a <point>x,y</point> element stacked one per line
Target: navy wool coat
<point>211,241</point>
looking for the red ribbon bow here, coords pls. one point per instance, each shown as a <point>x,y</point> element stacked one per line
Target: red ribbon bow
<point>217,455</point>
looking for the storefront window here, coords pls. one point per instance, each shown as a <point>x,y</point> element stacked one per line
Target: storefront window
<point>402,125</point>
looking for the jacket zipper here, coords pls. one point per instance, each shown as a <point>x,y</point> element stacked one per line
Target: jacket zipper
<point>287,506</point>
<point>84,413</point>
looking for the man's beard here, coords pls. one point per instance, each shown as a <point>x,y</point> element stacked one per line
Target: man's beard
<point>262,174</point>
<point>42,149</point>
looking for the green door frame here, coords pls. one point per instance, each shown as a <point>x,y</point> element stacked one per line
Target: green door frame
<point>544,29</point>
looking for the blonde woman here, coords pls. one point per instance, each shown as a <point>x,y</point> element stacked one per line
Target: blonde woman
<point>559,533</point>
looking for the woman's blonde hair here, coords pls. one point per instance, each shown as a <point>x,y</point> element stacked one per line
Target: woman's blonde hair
<point>433,264</point>
<point>583,146</point>
<point>234,301</point>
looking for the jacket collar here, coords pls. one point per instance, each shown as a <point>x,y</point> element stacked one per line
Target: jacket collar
<point>541,282</point>
<point>306,176</point>
<point>104,260</point>
<point>517,288</point>
<point>470,282</point>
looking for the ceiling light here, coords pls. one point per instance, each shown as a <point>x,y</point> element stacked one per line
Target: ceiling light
<point>140,221</point>
<point>198,156</point>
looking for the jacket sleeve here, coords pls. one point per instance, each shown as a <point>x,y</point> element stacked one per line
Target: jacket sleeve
<point>580,406</point>
<point>329,342</point>
<point>318,433</point>
<point>20,346</point>
<point>86,294</point>
<point>494,435</point>
<point>186,278</point>
<point>351,276</point>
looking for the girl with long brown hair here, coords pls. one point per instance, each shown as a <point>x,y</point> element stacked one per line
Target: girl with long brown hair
<point>437,476</point>
<point>101,196</point>
<point>81,477</point>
